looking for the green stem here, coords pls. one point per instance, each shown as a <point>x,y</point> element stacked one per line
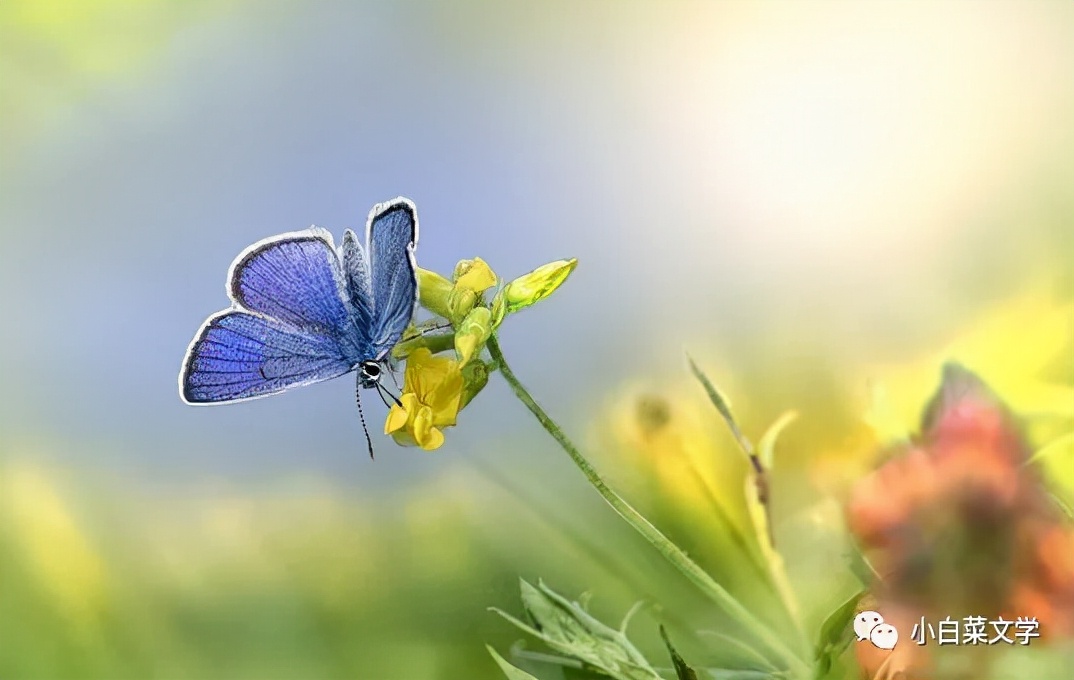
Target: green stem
<point>662,543</point>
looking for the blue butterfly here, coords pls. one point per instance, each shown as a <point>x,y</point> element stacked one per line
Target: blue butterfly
<point>303,312</point>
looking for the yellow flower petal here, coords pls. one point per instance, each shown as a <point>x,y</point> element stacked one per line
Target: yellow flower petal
<point>434,440</point>
<point>474,275</point>
<point>429,373</point>
<point>423,425</point>
<point>397,419</point>
<point>447,400</point>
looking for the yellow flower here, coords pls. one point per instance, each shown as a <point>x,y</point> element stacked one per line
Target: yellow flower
<point>472,278</point>
<point>475,275</point>
<point>432,395</point>
<point>454,301</point>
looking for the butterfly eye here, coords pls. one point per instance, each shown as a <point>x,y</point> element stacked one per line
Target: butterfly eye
<point>371,370</point>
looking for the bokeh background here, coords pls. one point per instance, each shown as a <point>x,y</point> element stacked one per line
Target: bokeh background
<point>820,201</point>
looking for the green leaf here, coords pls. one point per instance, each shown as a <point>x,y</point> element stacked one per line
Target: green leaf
<point>740,674</point>
<point>755,483</point>
<point>722,403</point>
<point>567,628</point>
<point>861,567</point>
<point>835,634</point>
<point>518,623</point>
<point>777,570</point>
<point>634,609</point>
<point>747,654</point>
<point>767,445</point>
<point>510,671</point>
<point>682,670</point>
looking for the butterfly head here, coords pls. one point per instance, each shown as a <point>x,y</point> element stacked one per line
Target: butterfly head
<point>369,373</point>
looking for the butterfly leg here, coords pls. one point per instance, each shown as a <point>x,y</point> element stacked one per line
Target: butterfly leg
<point>426,327</point>
<point>391,372</point>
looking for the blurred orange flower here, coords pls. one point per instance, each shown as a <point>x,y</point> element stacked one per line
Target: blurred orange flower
<point>957,525</point>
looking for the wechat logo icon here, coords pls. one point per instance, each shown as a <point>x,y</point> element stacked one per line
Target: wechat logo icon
<point>869,625</point>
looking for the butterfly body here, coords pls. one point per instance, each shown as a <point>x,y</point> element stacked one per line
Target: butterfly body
<point>303,311</point>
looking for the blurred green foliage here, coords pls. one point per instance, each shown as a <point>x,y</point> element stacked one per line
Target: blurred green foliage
<point>297,580</point>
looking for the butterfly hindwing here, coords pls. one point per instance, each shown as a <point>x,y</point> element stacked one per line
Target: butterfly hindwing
<point>238,355</point>
<point>356,272</point>
<point>392,235</point>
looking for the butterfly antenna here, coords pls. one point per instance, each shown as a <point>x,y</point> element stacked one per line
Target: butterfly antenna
<point>382,390</point>
<point>361,415</point>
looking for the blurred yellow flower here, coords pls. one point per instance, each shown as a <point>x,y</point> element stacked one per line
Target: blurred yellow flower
<point>1024,346</point>
<point>56,547</point>
<point>432,394</point>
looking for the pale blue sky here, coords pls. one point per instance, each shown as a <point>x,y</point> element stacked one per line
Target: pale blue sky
<point>711,172</point>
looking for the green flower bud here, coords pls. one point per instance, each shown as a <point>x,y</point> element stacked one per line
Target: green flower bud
<point>537,285</point>
<point>472,333</point>
<point>433,292</point>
